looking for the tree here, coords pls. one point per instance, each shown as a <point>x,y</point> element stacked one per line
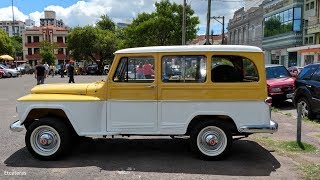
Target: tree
<point>162,27</point>
<point>106,23</point>
<point>91,43</point>
<point>47,52</point>
<point>17,44</point>
<point>272,26</point>
<point>6,45</point>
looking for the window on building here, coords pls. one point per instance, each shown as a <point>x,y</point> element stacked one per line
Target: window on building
<point>29,39</point>
<point>308,59</point>
<point>311,40</point>
<point>135,70</point>
<point>184,69</point>
<point>307,6</point>
<point>60,39</point>
<point>229,68</point>
<point>36,50</point>
<point>29,51</point>
<point>60,51</point>
<point>306,40</point>
<point>35,38</point>
<point>312,5</point>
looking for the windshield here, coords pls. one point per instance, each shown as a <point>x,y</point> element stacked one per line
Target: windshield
<point>277,72</point>
<point>3,66</point>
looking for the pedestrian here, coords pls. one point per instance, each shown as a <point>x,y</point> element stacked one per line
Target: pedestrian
<point>147,70</point>
<point>62,70</point>
<point>71,71</point>
<point>139,71</point>
<point>40,73</point>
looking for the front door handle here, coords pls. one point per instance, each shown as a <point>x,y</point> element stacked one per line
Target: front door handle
<point>151,86</point>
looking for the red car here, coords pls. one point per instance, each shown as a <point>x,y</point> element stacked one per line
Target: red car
<point>280,82</point>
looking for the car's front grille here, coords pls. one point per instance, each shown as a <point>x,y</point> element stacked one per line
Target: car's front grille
<point>288,89</point>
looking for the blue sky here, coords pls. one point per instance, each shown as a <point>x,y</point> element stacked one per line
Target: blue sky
<point>87,12</point>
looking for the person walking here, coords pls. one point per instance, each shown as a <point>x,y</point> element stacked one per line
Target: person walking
<point>71,71</point>
<point>40,73</point>
<point>147,70</point>
<point>62,70</point>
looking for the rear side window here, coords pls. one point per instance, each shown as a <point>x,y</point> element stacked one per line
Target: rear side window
<point>184,69</point>
<point>135,70</point>
<point>316,76</point>
<point>229,68</point>
<point>307,72</point>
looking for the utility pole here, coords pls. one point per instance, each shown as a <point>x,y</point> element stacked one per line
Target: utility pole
<point>13,33</point>
<point>220,17</point>
<point>208,22</point>
<point>184,23</point>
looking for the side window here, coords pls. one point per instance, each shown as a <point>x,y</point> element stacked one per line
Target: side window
<point>307,72</point>
<point>184,69</point>
<point>316,76</point>
<point>135,70</point>
<point>229,68</point>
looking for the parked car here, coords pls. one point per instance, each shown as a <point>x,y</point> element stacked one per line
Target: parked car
<point>10,72</point>
<point>211,107</point>
<point>295,70</point>
<point>106,69</point>
<point>92,69</point>
<point>25,69</point>
<point>280,82</point>
<point>2,73</point>
<point>308,90</point>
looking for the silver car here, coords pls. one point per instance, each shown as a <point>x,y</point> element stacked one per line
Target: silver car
<point>9,72</point>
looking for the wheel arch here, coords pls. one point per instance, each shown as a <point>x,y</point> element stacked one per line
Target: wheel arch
<point>227,121</point>
<point>36,113</point>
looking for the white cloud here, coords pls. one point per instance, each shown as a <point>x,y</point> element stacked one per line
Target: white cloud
<point>88,12</point>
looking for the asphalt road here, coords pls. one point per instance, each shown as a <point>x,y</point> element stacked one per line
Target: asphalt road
<point>126,158</point>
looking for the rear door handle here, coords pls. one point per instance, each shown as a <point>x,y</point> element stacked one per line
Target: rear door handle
<point>151,86</point>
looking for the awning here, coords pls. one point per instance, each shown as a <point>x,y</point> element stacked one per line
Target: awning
<point>6,57</point>
<point>309,50</point>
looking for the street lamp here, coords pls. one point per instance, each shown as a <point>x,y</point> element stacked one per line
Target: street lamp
<point>13,33</point>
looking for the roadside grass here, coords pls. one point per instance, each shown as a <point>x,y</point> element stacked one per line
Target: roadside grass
<point>318,135</point>
<point>311,171</point>
<point>288,114</point>
<point>286,148</point>
<point>314,123</point>
<point>273,109</point>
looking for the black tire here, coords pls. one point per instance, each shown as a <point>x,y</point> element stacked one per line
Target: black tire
<point>223,145</point>
<point>9,75</point>
<point>59,130</point>
<point>306,108</point>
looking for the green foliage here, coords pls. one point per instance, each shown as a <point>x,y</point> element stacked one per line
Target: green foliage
<point>274,26</point>
<point>311,171</point>
<point>47,52</point>
<point>17,44</point>
<point>6,45</point>
<point>161,27</point>
<point>106,23</point>
<point>91,43</point>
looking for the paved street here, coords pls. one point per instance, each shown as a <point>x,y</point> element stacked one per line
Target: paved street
<point>122,158</point>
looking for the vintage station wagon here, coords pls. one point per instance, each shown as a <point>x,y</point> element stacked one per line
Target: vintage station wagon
<point>209,93</point>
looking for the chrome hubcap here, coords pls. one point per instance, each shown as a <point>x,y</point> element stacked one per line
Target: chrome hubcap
<point>45,140</point>
<point>212,140</point>
<point>305,108</point>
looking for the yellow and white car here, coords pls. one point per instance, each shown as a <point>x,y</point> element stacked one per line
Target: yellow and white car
<point>210,93</point>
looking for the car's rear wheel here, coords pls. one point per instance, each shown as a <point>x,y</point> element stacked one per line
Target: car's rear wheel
<point>211,140</point>
<point>9,75</point>
<point>48,139</point>
<point>306,108</point>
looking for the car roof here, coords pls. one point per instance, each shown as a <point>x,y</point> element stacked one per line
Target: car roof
<point>191,48</point>
<point>272,65</point>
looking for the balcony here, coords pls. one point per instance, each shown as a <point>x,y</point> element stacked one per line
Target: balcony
<point>61,56</point>
<point>33,56</point>
<point>61,44</point>
<point>33,44</point>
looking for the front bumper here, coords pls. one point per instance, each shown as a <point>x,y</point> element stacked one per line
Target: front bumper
<point>16,126</point>
<point>272,128</point>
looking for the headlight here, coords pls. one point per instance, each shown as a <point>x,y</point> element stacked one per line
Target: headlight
<point>275,90</point>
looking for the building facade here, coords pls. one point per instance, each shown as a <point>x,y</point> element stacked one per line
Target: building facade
<point>246,27</point>
<point>12,29</point>
<point>310,51</point>
<point>50,20</point>
<point>282,30</point>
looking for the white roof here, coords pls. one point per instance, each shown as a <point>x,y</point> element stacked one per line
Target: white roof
<point>191,48</point>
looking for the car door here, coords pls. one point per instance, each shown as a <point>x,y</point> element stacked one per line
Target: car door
<point>314,87</point>
<point>132,97</point>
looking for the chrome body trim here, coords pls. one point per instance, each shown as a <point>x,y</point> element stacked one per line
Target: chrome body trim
<point>272,128</point>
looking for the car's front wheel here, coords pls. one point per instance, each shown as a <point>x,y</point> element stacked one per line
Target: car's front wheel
<point>48,139</point>
<point>306,108</point>
<point>211,140</point>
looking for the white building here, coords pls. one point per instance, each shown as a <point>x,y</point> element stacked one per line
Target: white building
<point>12,29</point>
<point>50,20</point>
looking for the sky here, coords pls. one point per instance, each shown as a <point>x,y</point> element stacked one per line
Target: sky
<point>87,12</point>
